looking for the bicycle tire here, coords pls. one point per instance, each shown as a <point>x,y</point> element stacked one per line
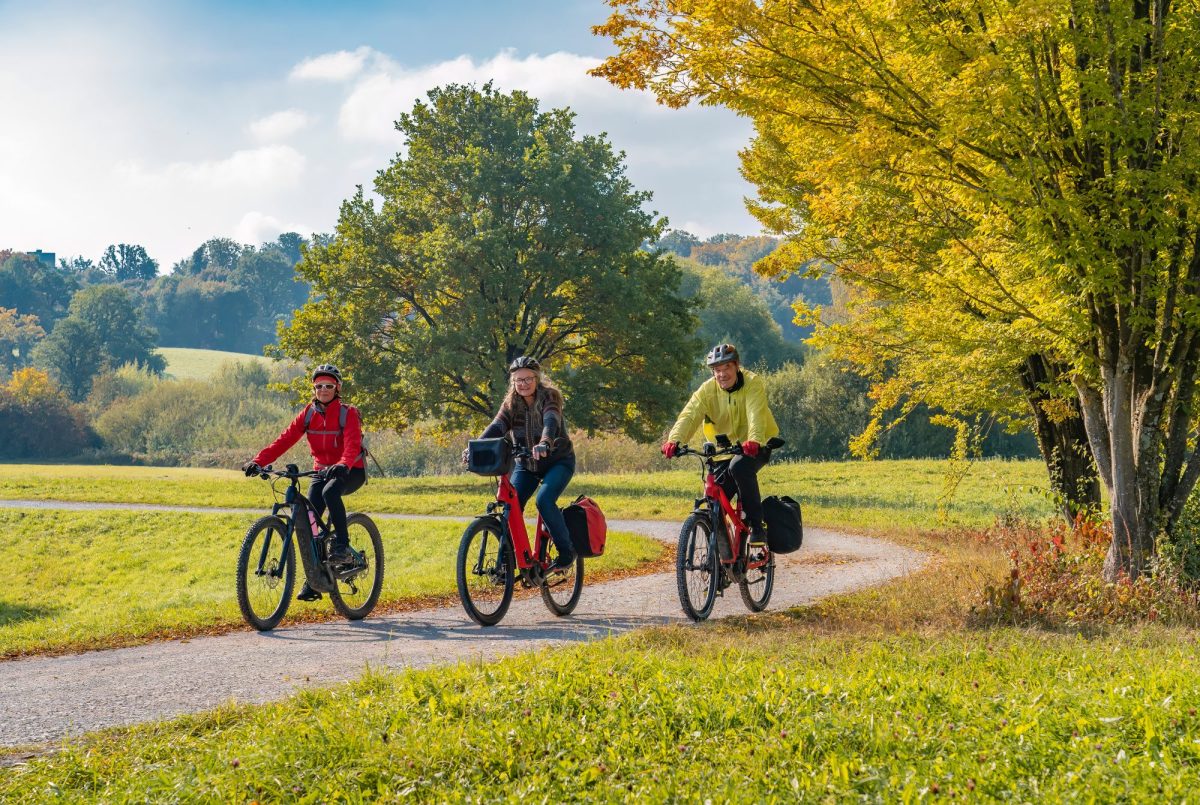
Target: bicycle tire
<point>766,579</point>
<point>706,570</point>
<point>565,606</point>
<point>489,574</point>
<point>257,589</point>
<point>345,594</point>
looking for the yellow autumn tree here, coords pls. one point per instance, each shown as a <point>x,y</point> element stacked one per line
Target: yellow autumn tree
<point>1010,188</point>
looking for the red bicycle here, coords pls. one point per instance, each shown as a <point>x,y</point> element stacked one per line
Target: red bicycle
<point>714,547</point>
<point>495,551</point>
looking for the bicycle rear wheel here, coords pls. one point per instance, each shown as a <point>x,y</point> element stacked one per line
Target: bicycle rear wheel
<point>484,571</point>
<point>758,583</point>
<point>561,591</point>
<point>266,573</point>
<point>357,589</point>
<point>696,567</point>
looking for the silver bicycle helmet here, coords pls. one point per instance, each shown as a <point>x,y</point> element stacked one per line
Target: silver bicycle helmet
<point>721,353</point>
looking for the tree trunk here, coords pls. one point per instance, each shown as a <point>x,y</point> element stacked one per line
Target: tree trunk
<point>1063,442</point>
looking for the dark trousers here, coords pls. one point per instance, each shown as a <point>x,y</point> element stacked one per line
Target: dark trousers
<point>553,481</point>
<point>328,494</point>
<point>741,478</point>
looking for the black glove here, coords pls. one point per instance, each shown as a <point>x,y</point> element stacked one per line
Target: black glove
<point>251,469</point>
<point>337,471</point>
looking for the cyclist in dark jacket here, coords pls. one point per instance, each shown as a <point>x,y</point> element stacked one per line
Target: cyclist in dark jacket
<point>532,416</point>
<point>337,452</point>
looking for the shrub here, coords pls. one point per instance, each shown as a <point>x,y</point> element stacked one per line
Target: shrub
<point>37,420</point>
<point>1056,577</point>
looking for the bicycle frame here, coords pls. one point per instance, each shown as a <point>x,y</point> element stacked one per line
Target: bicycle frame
<point>296,522</point>
<point>721,512</point>
<point>512,520</point>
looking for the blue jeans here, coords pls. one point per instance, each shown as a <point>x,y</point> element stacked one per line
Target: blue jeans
<point>554,480</point>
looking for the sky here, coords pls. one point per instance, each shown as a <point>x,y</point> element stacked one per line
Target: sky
<point>166,124</point>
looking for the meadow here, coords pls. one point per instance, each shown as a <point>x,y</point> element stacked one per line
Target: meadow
<point>184,363</point>
<point>878,496</point>
<point>85,580</point>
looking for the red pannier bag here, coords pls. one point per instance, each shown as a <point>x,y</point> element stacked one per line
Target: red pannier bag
<point>587,526</point>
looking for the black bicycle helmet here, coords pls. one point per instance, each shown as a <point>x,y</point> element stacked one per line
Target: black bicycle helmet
<point>327,369</point>
<point>524,362</point>
<point>721,353</point>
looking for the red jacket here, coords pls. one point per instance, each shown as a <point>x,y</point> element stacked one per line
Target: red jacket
<point>327,446</point>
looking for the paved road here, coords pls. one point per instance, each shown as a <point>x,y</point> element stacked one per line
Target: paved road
<point>44,699</point>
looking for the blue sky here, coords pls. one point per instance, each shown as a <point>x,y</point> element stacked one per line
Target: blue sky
<point>166,124</point>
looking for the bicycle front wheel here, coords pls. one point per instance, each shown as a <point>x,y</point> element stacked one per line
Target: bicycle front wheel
<point>561,591</point>
<point>697,567</point>
<point>484,571</point>
<point>758,583</point>
<point>357,589</point>
<point>266,573</point>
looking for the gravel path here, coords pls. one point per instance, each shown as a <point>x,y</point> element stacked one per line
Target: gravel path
<point>43,699</point>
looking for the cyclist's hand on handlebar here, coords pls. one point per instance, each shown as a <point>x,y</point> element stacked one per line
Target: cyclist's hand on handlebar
<point>670,449</point>
<point>337,471</point>
<point>751,449</point>
<point>251,469</point>
<point>541,450</point>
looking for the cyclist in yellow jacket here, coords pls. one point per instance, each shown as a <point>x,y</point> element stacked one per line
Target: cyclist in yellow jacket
<point>733,402</point>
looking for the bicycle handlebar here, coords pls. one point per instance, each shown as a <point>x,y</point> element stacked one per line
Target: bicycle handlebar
<point>266,472</point>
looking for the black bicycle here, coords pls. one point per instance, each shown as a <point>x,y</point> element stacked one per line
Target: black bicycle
<point>266,571</point>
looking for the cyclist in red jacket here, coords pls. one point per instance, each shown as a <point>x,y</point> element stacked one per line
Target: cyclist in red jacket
<point>334,432</point>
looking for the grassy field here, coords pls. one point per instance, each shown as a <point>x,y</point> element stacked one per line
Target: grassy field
<point>885,695</point>
<point>201,364</point>
<point>99,579</point>
<point>880,495</point>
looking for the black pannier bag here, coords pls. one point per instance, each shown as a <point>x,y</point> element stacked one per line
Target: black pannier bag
<point>587,526</point>
<point>785,531</point>
<point>489,456</point>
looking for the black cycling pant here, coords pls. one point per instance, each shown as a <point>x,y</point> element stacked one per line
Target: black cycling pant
<point>741,478</point>
<point>328,493</point>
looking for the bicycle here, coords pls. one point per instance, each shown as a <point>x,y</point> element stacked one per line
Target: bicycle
<point>266,571</point>
<point>495,549</point>
<point>706,559</point>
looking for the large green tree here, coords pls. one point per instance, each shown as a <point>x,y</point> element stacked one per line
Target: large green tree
<point>103,330</point>
<point>500,233</point>
<point>33,288</point>
<point>18,334</point>
<point>1023,176</point>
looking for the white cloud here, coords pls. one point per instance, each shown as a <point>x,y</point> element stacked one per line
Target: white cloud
<point>256,227</point>
<point>268,167</point>
<point>559,79</point>
<point>340,66</point>
<point>279,126</point>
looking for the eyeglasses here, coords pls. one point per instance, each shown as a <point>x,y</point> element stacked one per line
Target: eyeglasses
<point>324,386</point>
<point>521,381</point>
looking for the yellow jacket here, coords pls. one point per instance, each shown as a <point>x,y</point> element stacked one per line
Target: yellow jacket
<point>742,414</point>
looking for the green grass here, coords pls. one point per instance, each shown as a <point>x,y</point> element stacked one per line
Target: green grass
<point>718,713</point>
<point>201,364</point>
<point>880,495</point>
<point>97,579</point>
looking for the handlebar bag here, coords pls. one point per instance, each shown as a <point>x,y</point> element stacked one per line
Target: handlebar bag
<point>587,526</point>
<point>785,530</point>
<point>489,456</point>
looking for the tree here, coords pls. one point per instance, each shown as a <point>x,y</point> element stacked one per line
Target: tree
<point>103,330</point>
<point>128,262</point>
<point>18,334</point>
<point>34,288</point>
<point>499,234</point>
<point>38,421</point>
<point>1022,177</point>
<point>730,311</point>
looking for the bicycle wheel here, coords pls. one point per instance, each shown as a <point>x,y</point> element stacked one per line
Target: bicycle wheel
<point>357,588</point>
<point>696,567</point>
<point>484,571</point>
<point>266,573</point>
<point>758,583</point>
<point>561,591</point>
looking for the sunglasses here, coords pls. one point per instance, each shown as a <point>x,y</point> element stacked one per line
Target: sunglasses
<point>324,386</point>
